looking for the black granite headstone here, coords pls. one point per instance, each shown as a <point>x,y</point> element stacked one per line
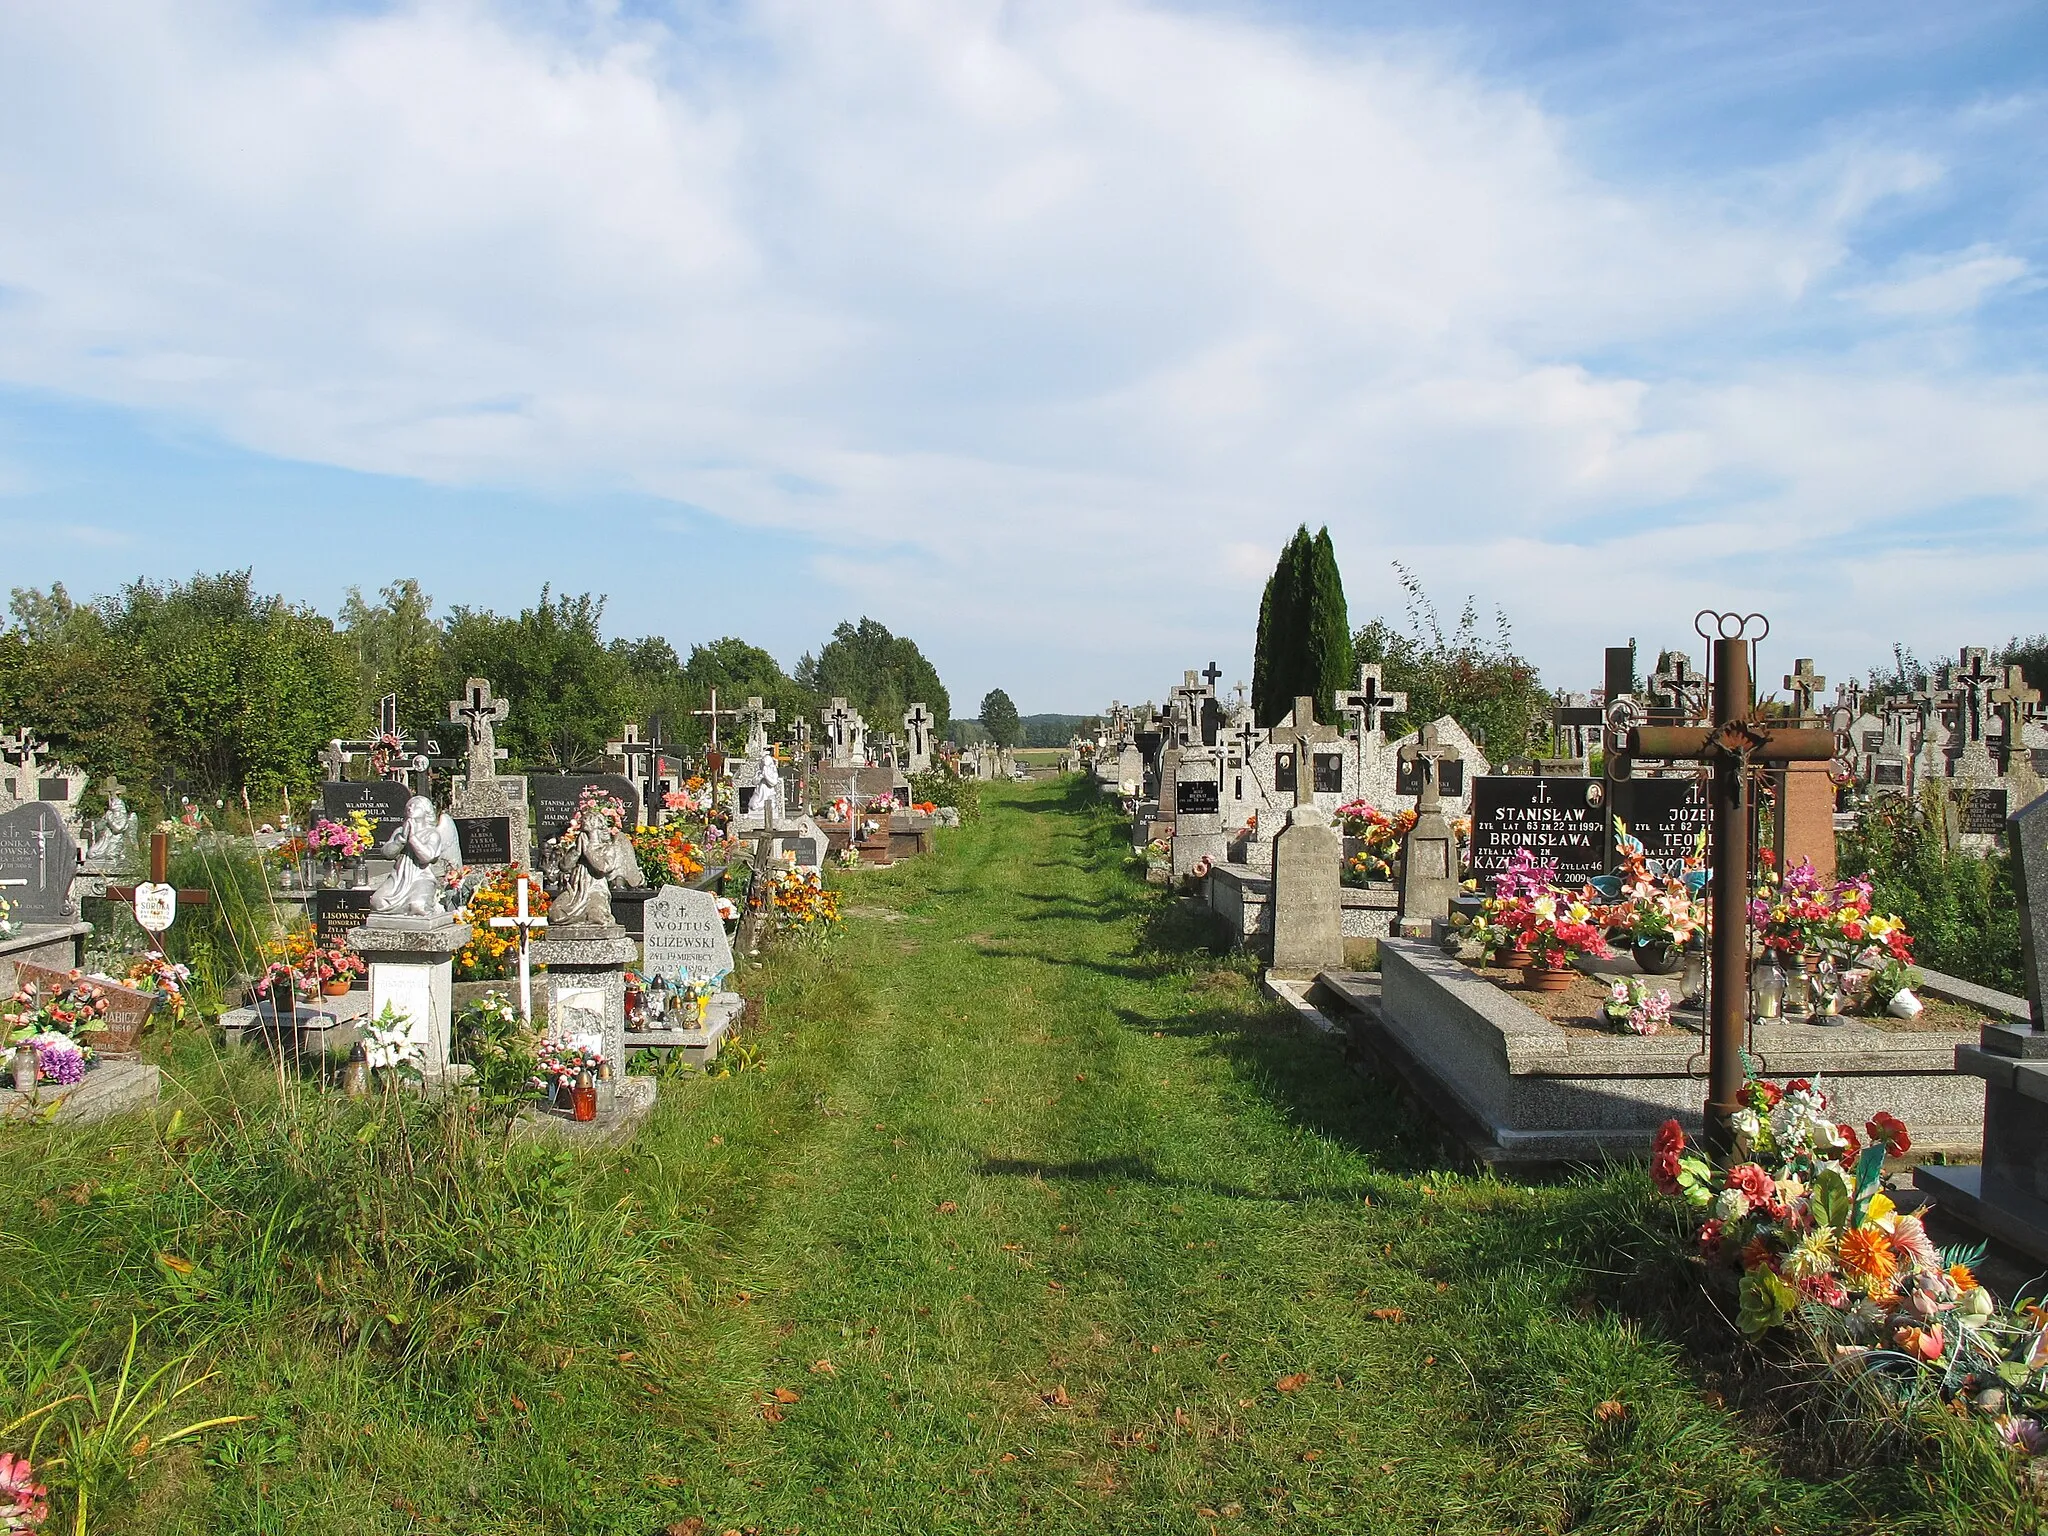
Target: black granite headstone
<point>337,912</point>
<point>485,839</point>
<point>1560,821</point>
<point>555,796</point>
<point>382,800</point>
<point>1667,815</point>
<point>35,848</point>
<point>1197,797</point>
<point>1985,811</point>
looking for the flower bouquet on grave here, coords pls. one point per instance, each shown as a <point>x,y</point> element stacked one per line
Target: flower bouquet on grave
<point>150,972</point>
<point>565,1070</point>
<point>492,954</point>
<point>1655,906</point>
<point>394,1045</point>
<point>668,854</point>
<point>334,970</point>
<point>337,844</point>
<point>7,924</point>
<point>1632,1006</point>
<point>1559,926</point>
<point>1501,930</point>
<point>1381,833</point>
<point>800,908</point>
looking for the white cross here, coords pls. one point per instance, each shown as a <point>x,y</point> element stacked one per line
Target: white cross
<point>525,924</point>
<point>714,712</point>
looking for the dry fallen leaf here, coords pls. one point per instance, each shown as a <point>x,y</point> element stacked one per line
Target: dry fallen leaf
<point>1386,1466</point>
<point>785,1395</point>
<point>716,1141</point>
<point>947,1207</point>
<point>694,1526</point>
<point>1056,1398</point>
<point>1713,1399</point>
<point>772,1414</point>
<point>1388,1314</point>
<point>1006,1456</point>
<point>627,1356</point>
<point>1311,1455</point>
<point>1054,1285</point>
<point>1610,1410</point>
<point>1291,1383</point>
<point>1208,1514</point>
<point>824,1368</point>
<point>1013,1247</point>
<point>1442,1286</point>
<point>1080,1077</point>
<point>518,1406</point>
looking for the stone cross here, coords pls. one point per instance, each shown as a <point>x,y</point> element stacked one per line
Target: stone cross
<point>917,734</point>
<point>1676,689</point>
<point>2016,703</point>
<point>1802,682</point>
<point>639,758</point>
<point>848,733</point>
<point>1370,702</point>
<point>758,717</point>
<point>1430,752</point>
<point>1303,735</point>
<point>1849,696</point>
<point>481,714</point>
<point>1973,681</point>
<point>22,746</point>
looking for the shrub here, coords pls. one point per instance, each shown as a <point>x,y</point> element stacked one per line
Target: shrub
<point>1961,909</point>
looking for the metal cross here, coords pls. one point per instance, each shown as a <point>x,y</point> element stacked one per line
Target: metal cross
<point>1210,674</point>
<point>526,924</point>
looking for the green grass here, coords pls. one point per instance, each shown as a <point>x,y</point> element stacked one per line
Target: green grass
<point>1041,1216</point>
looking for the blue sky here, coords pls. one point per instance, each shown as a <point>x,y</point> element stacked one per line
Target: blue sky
<point>1033,329</point>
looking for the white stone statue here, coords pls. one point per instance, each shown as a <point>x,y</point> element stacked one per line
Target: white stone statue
<point>767,800</point>
<point>424,849</point>
<point>589,859</point>
<point>111,831</point>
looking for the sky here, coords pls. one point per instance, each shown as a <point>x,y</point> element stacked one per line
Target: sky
<point>1033,329</point>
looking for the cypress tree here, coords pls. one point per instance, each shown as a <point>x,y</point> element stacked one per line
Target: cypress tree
<point>1327,659</point>
<point>1277,666</point>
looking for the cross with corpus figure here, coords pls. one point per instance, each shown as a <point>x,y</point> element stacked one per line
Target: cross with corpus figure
<point>1736,746</point>
<point>156,903</point>
<point>1676,691</point>
<point>526,923</point>
<point>638,758</point>
<point>1802,682</point>
<point>480,714</point>
<point>2015,703</point>
<point>758,717</point>
<point>393,755</point>
<point>1304,735</point>
<point>1370,702</point>
<point>1424,758</point>
<point>1971,684</point>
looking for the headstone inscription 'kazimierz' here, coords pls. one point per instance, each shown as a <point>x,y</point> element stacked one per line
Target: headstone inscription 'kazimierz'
<point>36,849</point>
<point>382,800</point>
<point>555,796</point>
<point>1198,797</point>
<point>1668,815</point>
<point>1559,820</point>
<point>1984,812</point>
<point>338,912</point>
<point>485,839</point>
<point>684,932</point>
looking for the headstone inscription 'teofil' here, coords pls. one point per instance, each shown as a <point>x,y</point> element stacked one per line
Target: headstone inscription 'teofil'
<point>684,933</point>
<point>36,849</point>
<point>1559,820</point>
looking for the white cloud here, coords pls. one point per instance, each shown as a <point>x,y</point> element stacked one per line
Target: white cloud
<point>1053,315</point>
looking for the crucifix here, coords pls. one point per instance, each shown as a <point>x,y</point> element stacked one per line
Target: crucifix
<point>841,723</point>
<point>712,713</point>
<point>393,755</point>
<point>1972,682</point>
<point>1738,748</point>
<point>2015,703</point>
<point>758,717</point>
<point>525,923</point>
<point>480,714</point>
<point>1370,702</point>
<point>155,900</point>
<point>1303,735</point>
<point>917,731</point>
<point>1422,762</point>
<point>1678,695</point>
<point>638,758</point>
<point>1802,682</point>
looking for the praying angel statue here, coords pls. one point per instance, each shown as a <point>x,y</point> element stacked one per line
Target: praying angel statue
<point>589,859</point>
<point>423,849</point>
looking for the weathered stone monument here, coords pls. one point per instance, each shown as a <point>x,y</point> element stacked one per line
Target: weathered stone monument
<point>409,939</point>
<point>1429,862</point>
<point>489,807</point>
<point>1308,916</point>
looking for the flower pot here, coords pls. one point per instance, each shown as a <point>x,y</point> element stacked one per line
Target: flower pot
<point>1514,959</point>
<point>338,988</point>
<point>1547,978</point>
<point>1658,957</point>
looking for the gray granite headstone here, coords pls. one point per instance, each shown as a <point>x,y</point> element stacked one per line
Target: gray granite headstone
<point>36,848</point>
<point>2028,837</point>
<point>685,932</point>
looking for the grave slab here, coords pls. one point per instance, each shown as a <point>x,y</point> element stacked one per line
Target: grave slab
<point>112,1088</point>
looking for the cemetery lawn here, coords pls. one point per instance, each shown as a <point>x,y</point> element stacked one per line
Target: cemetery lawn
<point>1021,1210</point>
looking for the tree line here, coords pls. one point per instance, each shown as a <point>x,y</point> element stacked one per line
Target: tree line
<point>209,686</point>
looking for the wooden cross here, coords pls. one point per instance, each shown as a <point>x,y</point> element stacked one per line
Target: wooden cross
<point>159,879</point>
<point>1370,702</point>
<point>525,923</point>
<point>1734,745</point>
<point>481,714</point>
<point>1304,735</point>
<point>1427,754</point>
<point>1802,682</point>
<point>712,713</point>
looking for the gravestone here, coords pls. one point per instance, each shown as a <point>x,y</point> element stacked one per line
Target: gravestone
<point>37,850</point>
<point>1559,820</point>
<point>1198,810</point>
<point>487,841</point>
<point>555,797</point>
<point>337,913</point>
<point>1983,812</point>
<point>382,800</point>
<point>685,932</point>
<point>1307,900</point>
<point>1667,815</point>
<point>489,807</point>
<point>1429,853</point>
<point>918,722</point>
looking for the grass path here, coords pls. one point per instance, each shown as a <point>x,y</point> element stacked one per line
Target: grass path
<point>1033,1216</point>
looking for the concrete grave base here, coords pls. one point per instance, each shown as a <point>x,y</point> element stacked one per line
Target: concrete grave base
<point>61,946</point>
<point>330,1026</point>
<point>698,1046</point>
<point>1242,897</point>
<point>112,1088</point>
<point>632,1101</point>
<point>1517,1088</point>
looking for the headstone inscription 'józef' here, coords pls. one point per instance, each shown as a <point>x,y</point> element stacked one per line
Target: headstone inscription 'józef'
<point>36,849</point>
<point>555,796</point>
<point>485,839</point>
<point>1559,820</point>
<point>337,913</point>
<point>684,932</point>
<point>1667,816</point>
<point>1984,812</point>
<point>382,800</point>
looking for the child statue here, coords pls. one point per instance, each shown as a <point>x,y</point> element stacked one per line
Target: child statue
<point>589,859</point>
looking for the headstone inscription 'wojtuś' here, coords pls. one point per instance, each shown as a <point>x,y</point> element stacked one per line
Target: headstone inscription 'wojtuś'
<point>36,849</point>
<point>382,800</point>
<point>684,932</point>
<point>485,839</point>
<point>555,796</point>
<point>1667,816</point>
<point>1560,821</point>
<point>336,913</point>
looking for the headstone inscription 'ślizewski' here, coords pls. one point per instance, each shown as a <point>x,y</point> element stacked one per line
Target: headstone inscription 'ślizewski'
<point>485,839</point>
<point>338,912</point>
<point>382,800</point>
<point>1558,820</point>
<point>684,933</point>
<point>36,849</point>
<point>1667,816</point>
<point>555,796</point>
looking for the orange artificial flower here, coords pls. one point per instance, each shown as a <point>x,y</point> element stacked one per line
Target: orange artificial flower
<point>1960,1277</point>
<point>1868,1253</point>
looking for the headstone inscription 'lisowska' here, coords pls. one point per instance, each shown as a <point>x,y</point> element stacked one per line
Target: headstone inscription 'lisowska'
<point>1668,815</point>
<point>555,796</point>
<point>685,933</point>
<point>382,800</point>
<point>336,913</point>
<point>1559,820</point>
<point>36,849</point>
